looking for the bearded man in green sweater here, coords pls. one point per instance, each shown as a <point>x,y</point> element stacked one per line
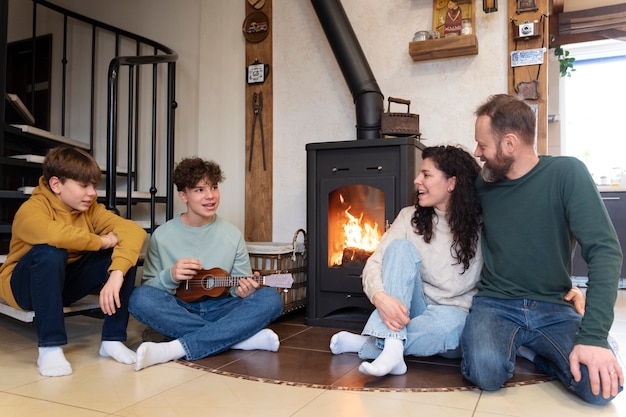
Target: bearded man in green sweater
<point>535,209</point>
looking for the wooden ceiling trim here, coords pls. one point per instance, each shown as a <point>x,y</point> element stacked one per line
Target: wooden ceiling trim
<point>607,22</point>
<point>593,20</point>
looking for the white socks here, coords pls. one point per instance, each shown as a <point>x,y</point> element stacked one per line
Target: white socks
<point>52,362</point>
<point>265,339</point>
<point>150,353</point>
<point>390,360</point>
<point>344,342</point>
<point>117,351</point>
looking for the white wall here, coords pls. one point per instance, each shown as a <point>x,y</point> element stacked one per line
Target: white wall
<point>312,102</point>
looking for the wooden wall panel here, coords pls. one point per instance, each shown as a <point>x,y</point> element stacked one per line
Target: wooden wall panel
<point>258,178</point>
<point>529,73</point>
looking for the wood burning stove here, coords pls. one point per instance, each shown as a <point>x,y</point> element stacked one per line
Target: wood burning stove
<point>354,191</point>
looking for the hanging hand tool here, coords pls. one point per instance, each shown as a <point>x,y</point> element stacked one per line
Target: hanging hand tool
<point>257,106</point>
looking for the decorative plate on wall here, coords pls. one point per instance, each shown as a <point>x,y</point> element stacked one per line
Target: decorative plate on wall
<point>256,27</point>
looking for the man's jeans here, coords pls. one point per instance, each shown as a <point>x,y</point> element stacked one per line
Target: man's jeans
<point>496,328</point>
<point>207,327</point>
<point>433,329</point>
<point>43,282</point>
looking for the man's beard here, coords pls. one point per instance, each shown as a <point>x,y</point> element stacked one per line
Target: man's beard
<point>496,171</point>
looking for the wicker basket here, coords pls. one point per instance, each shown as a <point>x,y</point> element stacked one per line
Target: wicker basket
<point>281,258</point>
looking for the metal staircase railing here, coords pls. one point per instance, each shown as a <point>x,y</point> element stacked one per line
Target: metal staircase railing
<point>125,116</point>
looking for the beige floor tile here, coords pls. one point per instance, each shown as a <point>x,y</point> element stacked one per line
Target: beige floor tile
<point>460,399</point>
<point>350,404</point>
<point>219,395</point>
<point>108,386</point>
<point>547,399</point>
<point>18,406</point>
<point>18,368</point>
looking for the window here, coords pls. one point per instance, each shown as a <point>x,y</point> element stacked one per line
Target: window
<point>593,125</point>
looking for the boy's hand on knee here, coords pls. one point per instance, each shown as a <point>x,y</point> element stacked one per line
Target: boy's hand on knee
<point>110,293</point>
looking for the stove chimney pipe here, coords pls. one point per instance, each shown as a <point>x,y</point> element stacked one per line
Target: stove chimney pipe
<point>367,96</point>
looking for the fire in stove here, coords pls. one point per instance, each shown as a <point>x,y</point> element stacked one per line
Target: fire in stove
<point>354,215</point>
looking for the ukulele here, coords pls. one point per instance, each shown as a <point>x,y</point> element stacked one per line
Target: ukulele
<point>214,282</point>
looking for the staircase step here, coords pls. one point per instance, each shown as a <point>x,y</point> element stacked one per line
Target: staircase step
<point>49,135</point>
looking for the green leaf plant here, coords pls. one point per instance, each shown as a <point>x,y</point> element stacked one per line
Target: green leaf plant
<point>566,63</point>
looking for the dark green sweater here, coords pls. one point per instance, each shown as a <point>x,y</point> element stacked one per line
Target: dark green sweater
<point>531,226</point>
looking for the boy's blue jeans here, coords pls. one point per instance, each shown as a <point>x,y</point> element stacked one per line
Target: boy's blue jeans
<point>43,282</point>
<point>496,328</point>
<point>206,327</point>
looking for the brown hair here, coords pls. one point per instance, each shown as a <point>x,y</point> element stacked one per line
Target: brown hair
<point>510,114</point>
<point>190,171</point>
<point>66,162</point>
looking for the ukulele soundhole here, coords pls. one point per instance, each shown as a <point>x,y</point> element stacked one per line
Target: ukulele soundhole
<point>208,282</point>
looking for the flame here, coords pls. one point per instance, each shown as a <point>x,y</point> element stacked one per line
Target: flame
<point>356,235</point>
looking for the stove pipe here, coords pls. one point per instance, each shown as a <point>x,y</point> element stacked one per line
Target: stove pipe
<point>367,96</point>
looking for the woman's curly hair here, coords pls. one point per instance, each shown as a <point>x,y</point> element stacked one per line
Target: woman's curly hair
<point>464,213</point>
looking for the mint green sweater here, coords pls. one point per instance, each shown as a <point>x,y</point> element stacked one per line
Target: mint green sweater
<point>218,244</point>
<point>531,226</point>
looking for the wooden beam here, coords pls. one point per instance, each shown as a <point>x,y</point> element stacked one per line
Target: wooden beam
<point>259,147</point>
<point>608,22</point>
<point>529,73</point>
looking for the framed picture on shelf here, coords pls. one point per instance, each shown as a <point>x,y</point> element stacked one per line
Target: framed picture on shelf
<point>526,6</point>
<point>453,17</point>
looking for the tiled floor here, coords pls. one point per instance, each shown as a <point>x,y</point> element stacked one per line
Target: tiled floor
<point>102,387</point>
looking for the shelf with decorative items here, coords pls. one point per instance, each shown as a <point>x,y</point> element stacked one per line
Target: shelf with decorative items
<point>452,35</point>
<point>444,47</point>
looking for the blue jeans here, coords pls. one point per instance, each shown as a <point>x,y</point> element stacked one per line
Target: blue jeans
<point>206,327</point>
<point>496,328</point>
<point>43,282</point>
<point>433,329</point>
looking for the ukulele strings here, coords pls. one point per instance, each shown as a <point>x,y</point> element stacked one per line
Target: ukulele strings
<point>220,281</point>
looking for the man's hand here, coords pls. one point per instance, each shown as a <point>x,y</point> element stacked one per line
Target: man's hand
<point>394,314</point>
<point>185,269</point>
<point>576,297</point>
<point>604,369</point>
<point>110,293</point>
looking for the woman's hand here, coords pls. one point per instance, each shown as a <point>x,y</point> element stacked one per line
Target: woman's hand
<point>392,311</point>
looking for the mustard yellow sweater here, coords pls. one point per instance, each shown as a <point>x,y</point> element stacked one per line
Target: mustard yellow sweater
<point>44,219</point>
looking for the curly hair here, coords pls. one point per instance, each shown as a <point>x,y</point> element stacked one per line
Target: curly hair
<point>464,215</point>
<point>190,171</point>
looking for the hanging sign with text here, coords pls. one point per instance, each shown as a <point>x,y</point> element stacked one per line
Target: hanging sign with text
<point>527,57</point>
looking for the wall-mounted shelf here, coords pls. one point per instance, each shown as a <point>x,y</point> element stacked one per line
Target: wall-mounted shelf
<point>444,47</point>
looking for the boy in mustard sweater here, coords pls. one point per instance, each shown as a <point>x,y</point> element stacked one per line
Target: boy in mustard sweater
<point>65,245</point>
